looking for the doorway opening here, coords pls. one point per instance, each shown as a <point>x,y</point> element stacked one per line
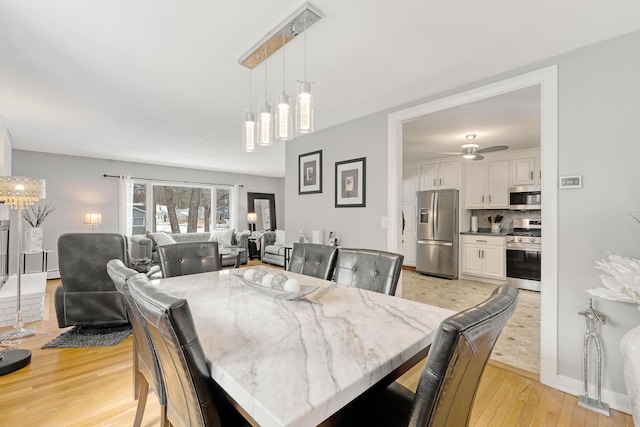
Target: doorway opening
<point>547,79</point>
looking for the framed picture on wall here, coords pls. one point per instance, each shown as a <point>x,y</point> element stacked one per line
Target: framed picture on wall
<point>310,173</point>
<point>351,188</point>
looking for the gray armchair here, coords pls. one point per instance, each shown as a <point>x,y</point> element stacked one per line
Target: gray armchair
<point>377,271</point>
<point>180,259</point>
<point>87,296</point>
<point>314,260</point>
<point>449,381</point>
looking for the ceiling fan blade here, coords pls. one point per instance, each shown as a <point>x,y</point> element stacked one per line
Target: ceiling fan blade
<point>493,148</point>
<point>478,157</point>
<point>450,153</point>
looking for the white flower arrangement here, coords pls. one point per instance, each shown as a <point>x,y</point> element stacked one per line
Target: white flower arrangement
<point>621,279</point>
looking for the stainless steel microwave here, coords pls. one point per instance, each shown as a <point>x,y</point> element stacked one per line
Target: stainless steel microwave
<point>526,198</point>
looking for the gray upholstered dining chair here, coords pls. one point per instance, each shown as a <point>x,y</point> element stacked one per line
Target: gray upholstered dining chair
<point>373,270</point>
<point>193,397</point>
<point>314,260</point>
<point>180,259</point>
<point>146,369</point>
<point>86,296</point>
<point>449,381</point>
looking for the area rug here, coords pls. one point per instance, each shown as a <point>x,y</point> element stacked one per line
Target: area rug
<point>79,338</point>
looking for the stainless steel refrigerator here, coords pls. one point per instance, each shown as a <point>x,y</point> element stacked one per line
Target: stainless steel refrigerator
<point>437,252</point>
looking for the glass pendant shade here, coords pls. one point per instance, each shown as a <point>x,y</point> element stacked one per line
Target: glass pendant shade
<point>283,119</point>
<point>249,132</point>
<point>304,109</point>
<point>264,125</point>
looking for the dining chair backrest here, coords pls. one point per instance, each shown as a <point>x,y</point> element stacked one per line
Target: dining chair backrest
<point>459,353</point>
<point>180,259</point>
<point>145,358</point>
<point>313,259</point>
<point>373,270</point>
<point>191,392</point>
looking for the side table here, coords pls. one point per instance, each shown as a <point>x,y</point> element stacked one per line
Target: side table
<point>287,255</point>
<point>45,259</point>
<point>254,247</point>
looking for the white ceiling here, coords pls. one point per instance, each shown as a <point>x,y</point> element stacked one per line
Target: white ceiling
<point>512,119</point>
<point>158,81</point>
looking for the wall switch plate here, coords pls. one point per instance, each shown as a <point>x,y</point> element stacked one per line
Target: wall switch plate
<point>384,222</point>
<point>572,181</point>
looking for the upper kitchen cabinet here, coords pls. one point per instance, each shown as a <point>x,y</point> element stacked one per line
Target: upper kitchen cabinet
<point>525,171</point>
<point>437,176</point>
<point>487,185</point>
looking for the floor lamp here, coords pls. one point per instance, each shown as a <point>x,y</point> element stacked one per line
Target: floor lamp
<point>18,192</point>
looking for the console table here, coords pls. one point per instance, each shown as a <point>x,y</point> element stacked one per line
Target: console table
<point>45,259</point>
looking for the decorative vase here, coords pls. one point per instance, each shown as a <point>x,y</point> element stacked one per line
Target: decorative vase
<point>630,349</point>
<point>33,239</point>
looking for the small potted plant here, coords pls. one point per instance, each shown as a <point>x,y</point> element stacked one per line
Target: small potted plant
<point>35,218</point>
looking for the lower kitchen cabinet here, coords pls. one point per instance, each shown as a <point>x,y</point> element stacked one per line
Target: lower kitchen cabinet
<point>483,256</point>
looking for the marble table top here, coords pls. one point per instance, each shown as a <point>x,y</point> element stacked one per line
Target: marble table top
<point>295,363</point>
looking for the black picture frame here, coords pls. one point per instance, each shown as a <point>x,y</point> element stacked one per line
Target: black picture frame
<point>351,183</point>
<point>310,173</point>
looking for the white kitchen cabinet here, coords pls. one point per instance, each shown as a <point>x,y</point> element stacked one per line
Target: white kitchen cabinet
<point>525,171</point>
<point>487,185</point>
<point>409,234</point>
<point>483,256</point>
<point>435,176</point>
<point>410,178</point>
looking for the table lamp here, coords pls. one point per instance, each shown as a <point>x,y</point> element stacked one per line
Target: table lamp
<point>94,219</point>
<point>252,218</point>
<point>18,192</point>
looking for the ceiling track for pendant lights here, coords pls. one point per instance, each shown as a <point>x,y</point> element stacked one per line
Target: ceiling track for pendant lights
<point>294,25</point>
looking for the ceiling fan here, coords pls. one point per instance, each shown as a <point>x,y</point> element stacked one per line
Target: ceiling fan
<point>471,149</point>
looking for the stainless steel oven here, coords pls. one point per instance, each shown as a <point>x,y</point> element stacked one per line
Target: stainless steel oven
<point>524,254</point>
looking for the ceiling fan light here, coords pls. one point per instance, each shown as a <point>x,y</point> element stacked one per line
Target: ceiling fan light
<point>468,151</point>
<point>470,146</point>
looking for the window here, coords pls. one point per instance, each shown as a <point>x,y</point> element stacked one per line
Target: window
<point>181,208</point>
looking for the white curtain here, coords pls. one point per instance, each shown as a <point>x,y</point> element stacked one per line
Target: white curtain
<point>125,223</point>
<point>234,205</point>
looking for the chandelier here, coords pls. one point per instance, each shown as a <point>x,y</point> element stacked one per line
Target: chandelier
<point>263,127</point>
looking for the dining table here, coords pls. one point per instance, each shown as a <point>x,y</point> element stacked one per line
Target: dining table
<point>296,362</point>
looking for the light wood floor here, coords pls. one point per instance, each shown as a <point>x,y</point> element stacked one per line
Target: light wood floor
<point>94,387</point>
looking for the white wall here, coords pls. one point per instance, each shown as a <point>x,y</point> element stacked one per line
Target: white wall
<point>598,138</point>
<point>76,185</point>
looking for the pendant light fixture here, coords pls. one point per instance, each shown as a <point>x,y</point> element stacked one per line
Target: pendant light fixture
<point>265,129</point>
<point>249,126</point>
<point>263,125</point>
<point>304,100</point>
<point>283,119</point>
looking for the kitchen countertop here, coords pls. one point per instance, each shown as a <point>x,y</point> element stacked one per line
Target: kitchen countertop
<point>487,232</point>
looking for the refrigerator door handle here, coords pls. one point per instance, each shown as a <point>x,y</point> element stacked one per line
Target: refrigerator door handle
<point>434,243</point>
<point>435,214</point>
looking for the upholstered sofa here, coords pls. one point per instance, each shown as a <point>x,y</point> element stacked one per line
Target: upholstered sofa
<point>144,246</point>
<point>272,247</point>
